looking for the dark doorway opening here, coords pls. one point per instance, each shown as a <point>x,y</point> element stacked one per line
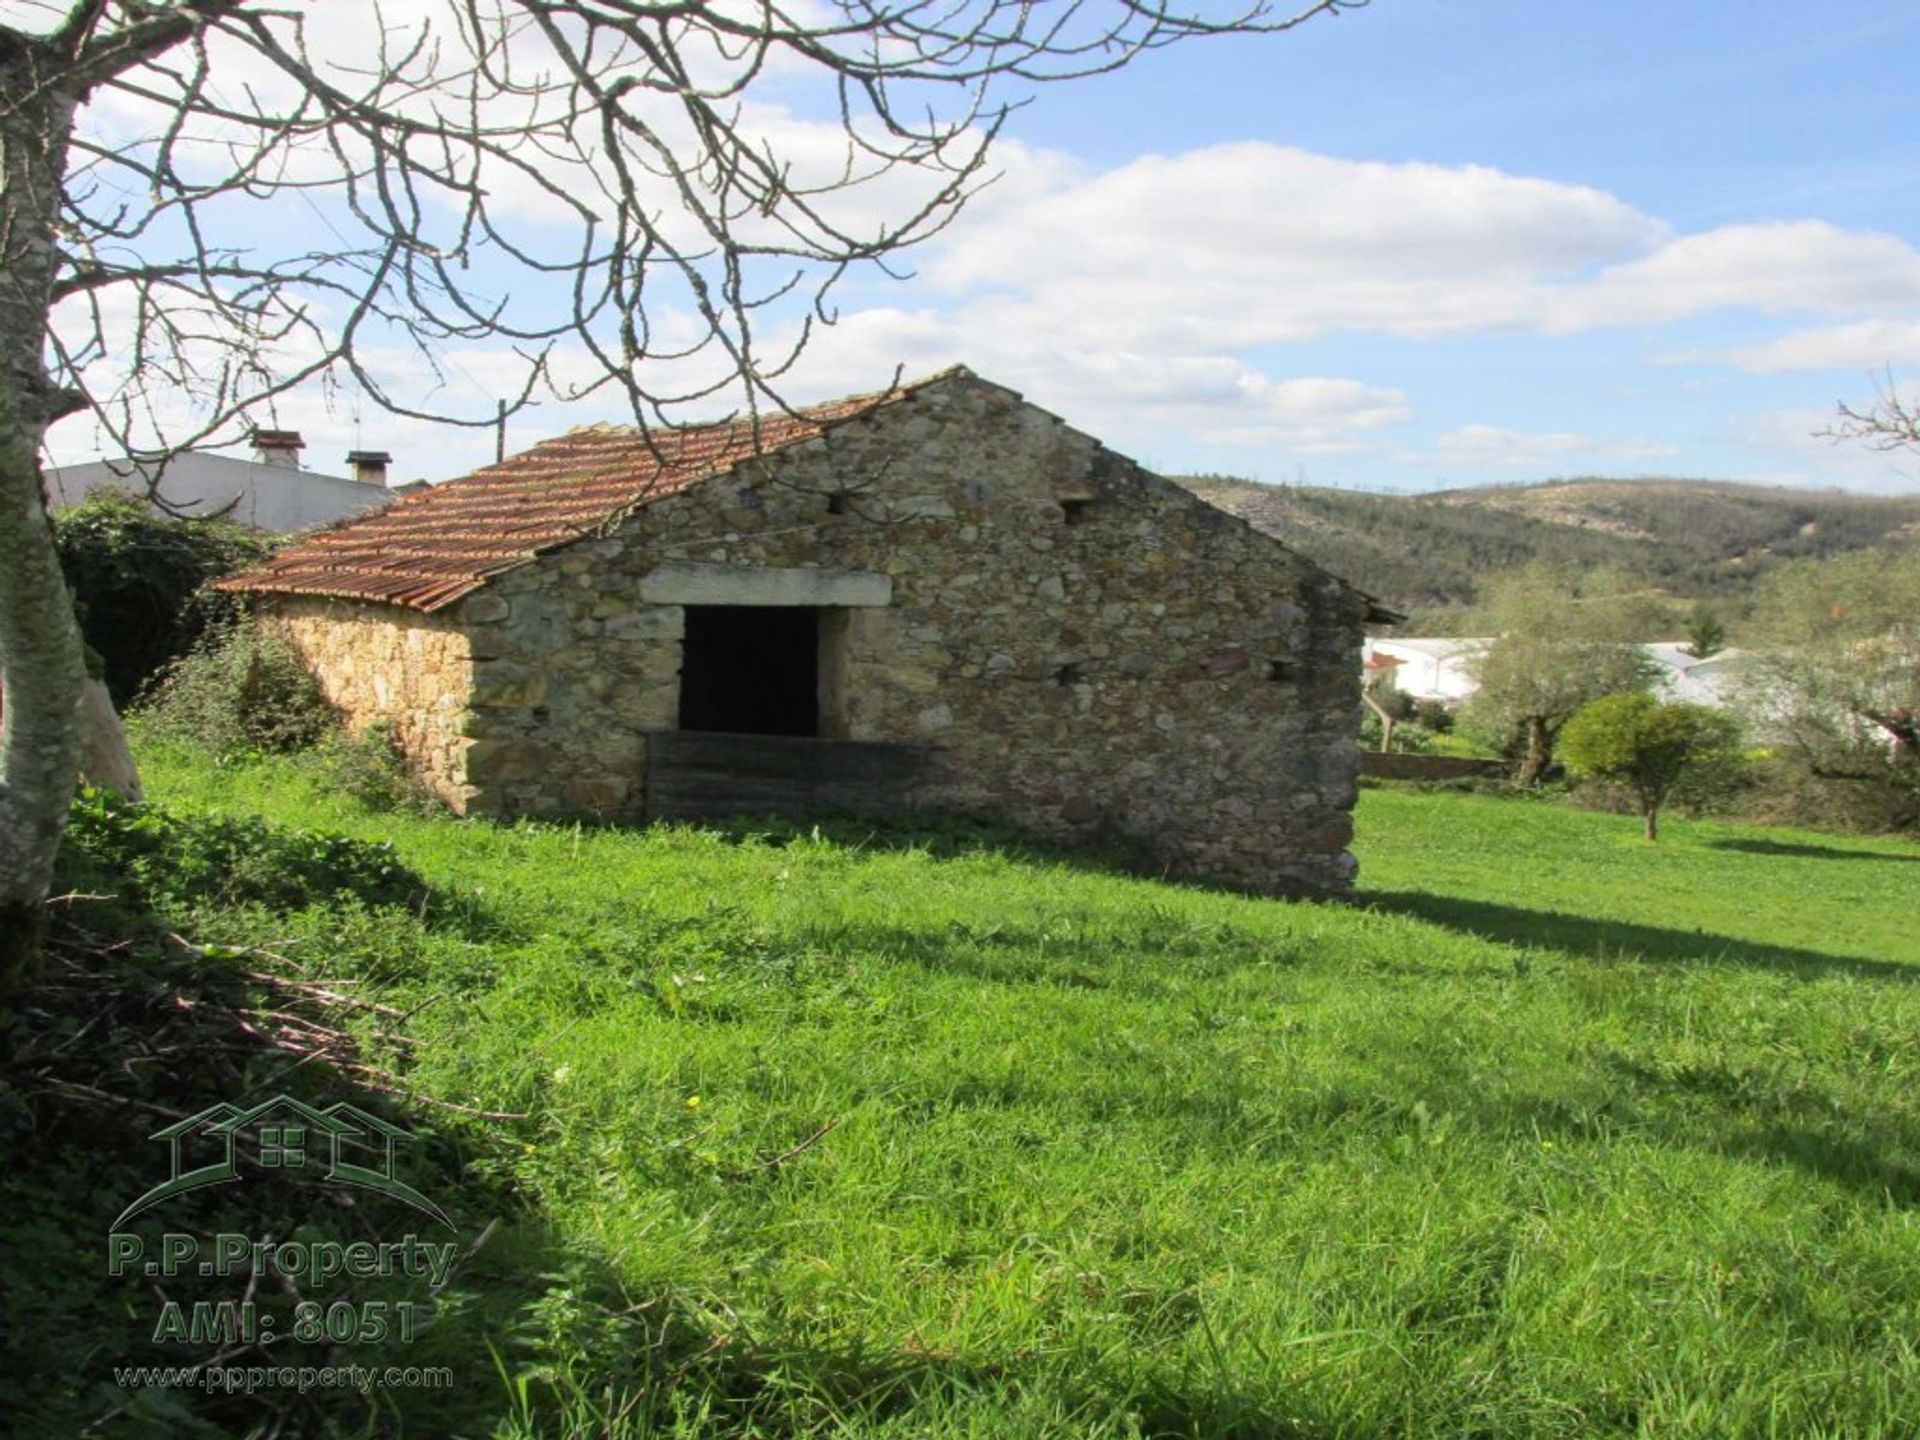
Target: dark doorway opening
<point>751,670</point>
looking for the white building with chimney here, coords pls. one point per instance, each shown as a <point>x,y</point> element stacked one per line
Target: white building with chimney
<point>269,492</point>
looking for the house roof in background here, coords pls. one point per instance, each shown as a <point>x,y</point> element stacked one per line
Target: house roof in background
<point>1440,648</point>
<point>1675,656</point>
<point>137,473</point>
<point>433,547</point>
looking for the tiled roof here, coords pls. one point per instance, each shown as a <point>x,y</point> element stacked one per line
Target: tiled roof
<point>431,548</point>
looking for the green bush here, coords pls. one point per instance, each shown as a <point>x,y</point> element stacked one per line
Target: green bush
<point>366,767</point>
<point>242,688</point>
<point>1783,790</point>
<point>1485,731</point>
<point>1408,739</point>
<point>1650,749</point>
<point>1396,703</point>
<point>156,859</point>
<point>138,581</point>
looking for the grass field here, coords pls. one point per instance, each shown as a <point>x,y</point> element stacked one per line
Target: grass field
<point>1558,1134</point>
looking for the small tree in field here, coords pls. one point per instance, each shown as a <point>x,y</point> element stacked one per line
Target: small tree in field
<point>1649,747</point>
<point>1705,634</point>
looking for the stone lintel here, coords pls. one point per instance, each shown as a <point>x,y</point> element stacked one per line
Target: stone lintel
<point>689,584</point>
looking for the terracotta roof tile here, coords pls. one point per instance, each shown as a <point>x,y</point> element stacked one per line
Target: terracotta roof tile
<point>431,548</point>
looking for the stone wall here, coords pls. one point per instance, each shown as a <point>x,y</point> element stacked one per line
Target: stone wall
<point>1091,651</point>
<point>1429,767</point>
<point>382,663</point>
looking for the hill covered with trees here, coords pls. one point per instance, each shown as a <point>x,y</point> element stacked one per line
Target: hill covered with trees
<point>1693,539</point>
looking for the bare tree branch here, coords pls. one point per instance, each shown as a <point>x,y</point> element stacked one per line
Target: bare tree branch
<point>1889,424</point>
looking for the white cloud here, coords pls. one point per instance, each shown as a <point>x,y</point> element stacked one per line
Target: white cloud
<point>1252,244</point>
<point>1139,399</point>
<point>1863,345</point>
<point>1498,447</point>
<point>1799,435</point>
<point>1798,267</point>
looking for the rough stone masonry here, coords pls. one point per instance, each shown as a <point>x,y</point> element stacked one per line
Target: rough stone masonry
<point>1072,644</point>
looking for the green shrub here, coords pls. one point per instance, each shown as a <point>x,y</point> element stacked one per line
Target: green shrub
<point>1396,703</point>
<point>1489,731</point>
<point>1783,790</point>
<point>1650,749</point>
<point>1408,739</point>
<point>138,580</point>
<point>156,859</point>
<point>366,767</point>
<point>242,688</point>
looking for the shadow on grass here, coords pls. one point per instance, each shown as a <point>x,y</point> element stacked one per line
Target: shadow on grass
<point>1807,852</point>
<point>1759,1118</point>
<point>1621,940</point>
<point>775,1392</point>
<point>1741,1109</point>
<point>1103,850</point>
<point>123,1033</point>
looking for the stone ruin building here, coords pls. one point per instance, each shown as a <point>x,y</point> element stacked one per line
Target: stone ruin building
<point>939,598</point>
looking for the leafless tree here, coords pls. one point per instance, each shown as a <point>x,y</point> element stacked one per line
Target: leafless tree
<point>1889,424</point>
<point>427,163</point>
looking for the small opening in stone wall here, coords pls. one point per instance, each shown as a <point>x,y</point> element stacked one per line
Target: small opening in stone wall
<point>838,503</point>
<point>1076,512</point>
<point>1279,671</point>
<point>1068,675</point>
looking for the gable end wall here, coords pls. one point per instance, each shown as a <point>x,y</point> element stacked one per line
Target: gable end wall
<point>1157,673</point>
<point>382,664</point>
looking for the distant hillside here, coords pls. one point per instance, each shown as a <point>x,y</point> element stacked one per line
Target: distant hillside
<point>1695,539</point>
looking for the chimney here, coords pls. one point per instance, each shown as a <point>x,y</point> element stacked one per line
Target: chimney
<point>369,467</point>
<point>278,447</point>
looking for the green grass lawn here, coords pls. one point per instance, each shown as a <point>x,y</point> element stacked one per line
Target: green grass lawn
<point>1559,1133</point>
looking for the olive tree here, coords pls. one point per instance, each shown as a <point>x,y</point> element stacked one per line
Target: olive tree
<point>1556,645</point>
<point>619,195</point>
<point>1834,680</point>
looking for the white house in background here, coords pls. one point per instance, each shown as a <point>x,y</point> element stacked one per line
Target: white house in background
<point>1442,669</point>
<point>1438,669</point>
<point>269,492</point>
<point>1710,682</point>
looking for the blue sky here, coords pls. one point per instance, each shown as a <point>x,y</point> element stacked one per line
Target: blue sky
<point>1698,117</point>
<point>1430,242</point>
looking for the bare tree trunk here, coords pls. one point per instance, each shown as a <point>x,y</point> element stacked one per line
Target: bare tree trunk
<point>1539,752</point>
<point>1652,815</point>
<point>105,759</point>
<point>41,674</point>
<point>41,664</point>
<point>1387,721</point>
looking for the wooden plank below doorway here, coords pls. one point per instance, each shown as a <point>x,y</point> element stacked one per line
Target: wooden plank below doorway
<point>698,775</point>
